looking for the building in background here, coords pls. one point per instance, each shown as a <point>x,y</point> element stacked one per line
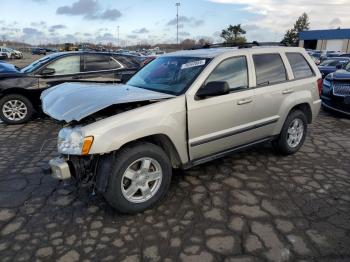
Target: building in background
<point>330,40</point>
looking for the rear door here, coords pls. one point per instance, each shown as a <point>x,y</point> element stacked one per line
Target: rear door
<point>129,66</point>
<point>271,87</point>
<point>99,68</point>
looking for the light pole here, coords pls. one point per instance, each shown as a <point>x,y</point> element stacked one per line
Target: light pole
<point>177,22</point>
<point>118,43</point>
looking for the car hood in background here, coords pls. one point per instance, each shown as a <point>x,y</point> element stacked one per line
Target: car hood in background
<point>8,69</point>
<point>75,101</point>
<point>339,75</point>
<point>327,68</point>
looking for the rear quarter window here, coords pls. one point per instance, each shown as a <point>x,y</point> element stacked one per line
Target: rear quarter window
<point>300,67</point>
<point>269,69</point>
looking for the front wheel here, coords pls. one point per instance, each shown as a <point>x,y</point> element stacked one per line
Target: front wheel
<point>293,133</point>
<point>15,109</point>
<point>140,178</point>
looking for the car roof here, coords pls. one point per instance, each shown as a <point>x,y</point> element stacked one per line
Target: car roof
<point>89,52</point>
<point>214,52</point>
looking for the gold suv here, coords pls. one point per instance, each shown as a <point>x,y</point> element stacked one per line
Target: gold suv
<point>181,110</point>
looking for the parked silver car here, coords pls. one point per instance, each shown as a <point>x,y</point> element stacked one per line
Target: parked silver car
<point>181,110</point>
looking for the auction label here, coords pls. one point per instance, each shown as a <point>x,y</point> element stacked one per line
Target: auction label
<point>193,64</point>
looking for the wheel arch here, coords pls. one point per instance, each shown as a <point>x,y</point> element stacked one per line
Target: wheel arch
<point>165,143</point>
<point>305,108</point>
<point>105,161</point>
<point>33,96</point>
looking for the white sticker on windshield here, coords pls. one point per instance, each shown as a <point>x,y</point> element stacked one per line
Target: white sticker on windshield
<point>193,64</point>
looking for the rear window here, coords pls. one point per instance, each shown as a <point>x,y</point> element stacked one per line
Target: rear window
<point>269,69</point>
<point>300,67</point>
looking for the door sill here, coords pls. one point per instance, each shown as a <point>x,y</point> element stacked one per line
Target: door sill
<point>229,151</point>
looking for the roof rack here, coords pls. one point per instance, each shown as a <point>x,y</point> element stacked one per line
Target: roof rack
<point>239,46</point>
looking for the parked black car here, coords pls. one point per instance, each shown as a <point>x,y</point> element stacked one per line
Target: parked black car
<point>336,91</point>
<point>331,65</point>
<point>38,51</point>
<point>20,89</point>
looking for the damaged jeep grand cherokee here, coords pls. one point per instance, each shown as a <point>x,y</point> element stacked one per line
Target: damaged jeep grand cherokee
<point>181,110</point>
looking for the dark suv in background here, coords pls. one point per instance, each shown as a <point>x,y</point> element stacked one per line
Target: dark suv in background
<point>20,89</point>
<point>336,91</point>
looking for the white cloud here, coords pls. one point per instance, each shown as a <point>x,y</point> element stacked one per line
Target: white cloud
<point>280,15</point>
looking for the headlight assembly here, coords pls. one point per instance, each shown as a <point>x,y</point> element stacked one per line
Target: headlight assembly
<point>326,82</point>
<point>71,141</point>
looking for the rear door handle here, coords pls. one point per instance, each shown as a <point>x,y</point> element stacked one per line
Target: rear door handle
<point>287,91</point>
<point>245,101</point>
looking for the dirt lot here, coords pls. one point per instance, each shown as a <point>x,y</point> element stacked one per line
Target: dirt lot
<point>251,206</point>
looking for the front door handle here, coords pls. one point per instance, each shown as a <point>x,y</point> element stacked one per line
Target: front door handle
<point>244,101</point>
<point>287,91</point>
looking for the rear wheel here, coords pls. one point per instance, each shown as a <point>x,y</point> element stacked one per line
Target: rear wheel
<point>15,109</point>
<point>140,178</point>
<point>293,133</point>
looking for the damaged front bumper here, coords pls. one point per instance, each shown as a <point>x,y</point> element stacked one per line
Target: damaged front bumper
<point>60,168</point>
<point>83,170</point>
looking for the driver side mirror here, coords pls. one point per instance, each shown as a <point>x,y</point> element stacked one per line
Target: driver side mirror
<point>215,88</point>
<point>48,71</point>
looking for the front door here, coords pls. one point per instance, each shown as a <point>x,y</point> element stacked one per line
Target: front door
<point>64,69</point>
<point>220,123</point>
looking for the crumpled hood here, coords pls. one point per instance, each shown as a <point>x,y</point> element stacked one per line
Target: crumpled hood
<point>74,101</point>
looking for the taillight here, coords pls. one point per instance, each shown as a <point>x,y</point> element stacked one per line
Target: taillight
<point>319,85</point>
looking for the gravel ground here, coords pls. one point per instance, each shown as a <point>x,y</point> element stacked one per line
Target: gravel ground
<point>251,206</point>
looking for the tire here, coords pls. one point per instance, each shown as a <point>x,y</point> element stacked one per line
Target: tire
<point>24,105</point>
<point>284,143</point>
<point>119,185</point>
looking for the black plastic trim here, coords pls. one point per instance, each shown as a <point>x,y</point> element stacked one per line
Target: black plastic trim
<point>214,156</point>
<point>242,130</point>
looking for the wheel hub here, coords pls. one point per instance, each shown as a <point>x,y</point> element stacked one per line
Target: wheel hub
<point>141,180</point>
<point>295,132</point>
<point>14,110</point>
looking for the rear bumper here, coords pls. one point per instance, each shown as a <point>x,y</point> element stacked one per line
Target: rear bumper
<point>60,168</point>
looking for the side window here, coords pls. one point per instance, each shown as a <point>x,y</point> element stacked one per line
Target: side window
<point>128,62</point>
<point>234,71</point>
<point>99,63</point>
<point>66,65</point>
<point>300,66</point>
<point>269,69</point>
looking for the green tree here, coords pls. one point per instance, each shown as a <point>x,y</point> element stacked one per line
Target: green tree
<point>234,34</point>
<point>291,37</point>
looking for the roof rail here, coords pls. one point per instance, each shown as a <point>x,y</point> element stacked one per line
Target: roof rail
<point>239,46</point>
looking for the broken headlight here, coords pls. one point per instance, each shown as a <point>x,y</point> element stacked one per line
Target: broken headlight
<point>70,141</point>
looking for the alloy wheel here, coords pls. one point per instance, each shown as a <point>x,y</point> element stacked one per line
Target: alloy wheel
<point>141,180</point>
<point>14,110</point>
<point>295,133</point>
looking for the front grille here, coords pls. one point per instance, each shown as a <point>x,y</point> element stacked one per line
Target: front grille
<point>341,89</point>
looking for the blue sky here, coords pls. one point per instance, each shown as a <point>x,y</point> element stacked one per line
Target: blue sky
<point>152,21</point>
